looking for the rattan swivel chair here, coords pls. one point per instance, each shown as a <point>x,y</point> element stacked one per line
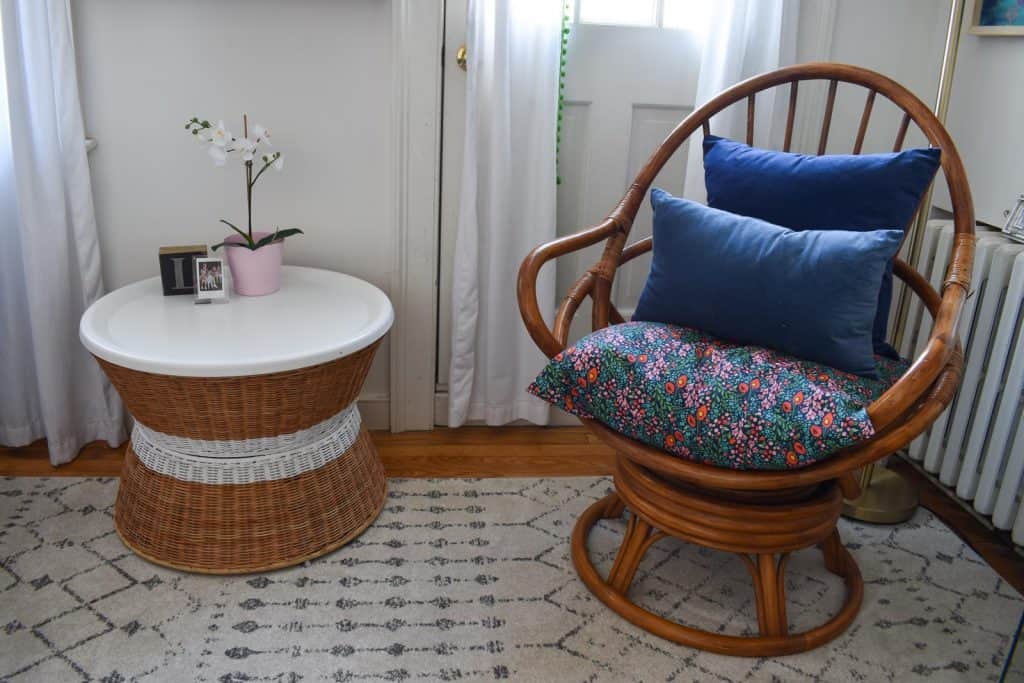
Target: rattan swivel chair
<point>760,515</point>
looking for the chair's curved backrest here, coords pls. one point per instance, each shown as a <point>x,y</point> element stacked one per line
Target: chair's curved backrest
<point>943,341</point>
<point>913,109</point>
<point>908,407</point>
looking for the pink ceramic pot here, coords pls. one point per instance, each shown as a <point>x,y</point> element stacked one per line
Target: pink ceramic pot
<point>255,273</point>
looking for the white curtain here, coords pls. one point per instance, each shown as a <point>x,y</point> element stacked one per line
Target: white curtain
<point>507,206</point>
<point>49,259</point>
<point>746,38</point>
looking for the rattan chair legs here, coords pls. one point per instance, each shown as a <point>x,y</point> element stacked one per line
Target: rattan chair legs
<point>762,529</point>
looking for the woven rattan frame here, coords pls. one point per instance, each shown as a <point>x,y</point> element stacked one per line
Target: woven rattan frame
<point>235,529</point>
<point>247,527</point>
<point>752,510</point>
<point>246,407</point>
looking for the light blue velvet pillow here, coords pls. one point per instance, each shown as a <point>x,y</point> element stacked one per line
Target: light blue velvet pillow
<point>810,293</point>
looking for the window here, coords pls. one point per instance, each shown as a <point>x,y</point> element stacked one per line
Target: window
<point>686,15</point>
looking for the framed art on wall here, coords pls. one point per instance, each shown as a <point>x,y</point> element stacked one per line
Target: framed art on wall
<point>998,18</point>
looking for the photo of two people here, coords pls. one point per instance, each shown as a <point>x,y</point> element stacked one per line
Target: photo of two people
<point>211,282</point>
<point>211,277</point>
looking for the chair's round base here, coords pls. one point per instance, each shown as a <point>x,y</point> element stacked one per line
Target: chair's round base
<point>659,508</point>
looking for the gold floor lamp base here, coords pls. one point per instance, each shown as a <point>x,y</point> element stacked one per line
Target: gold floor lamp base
<point>887,498</point>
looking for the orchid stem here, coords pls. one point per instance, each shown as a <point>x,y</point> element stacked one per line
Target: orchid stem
<point>248,176</point>
<point>265,167</point>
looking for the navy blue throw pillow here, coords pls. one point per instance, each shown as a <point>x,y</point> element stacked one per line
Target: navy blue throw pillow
<point>838,191</point>
<point>811,293</point>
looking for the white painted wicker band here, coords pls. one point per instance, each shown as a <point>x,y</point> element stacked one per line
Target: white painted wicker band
<point>268,445</point>
<point>246,461</point>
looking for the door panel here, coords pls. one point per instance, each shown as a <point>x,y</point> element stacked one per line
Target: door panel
<point>626,88</point>
<point>650,126</point>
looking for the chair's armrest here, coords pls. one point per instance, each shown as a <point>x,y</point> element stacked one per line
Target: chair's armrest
<point>942,344</point>
<point>551,342</point>
<point>638,248</point>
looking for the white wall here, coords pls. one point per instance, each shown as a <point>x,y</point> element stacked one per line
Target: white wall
<point>903,40</point>
<point>317,72</point>
<point>985,113</point>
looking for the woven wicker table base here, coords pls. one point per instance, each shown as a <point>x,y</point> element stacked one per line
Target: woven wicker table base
<point>242,528</point>
<point>248,452</point>
<point>231,475</point>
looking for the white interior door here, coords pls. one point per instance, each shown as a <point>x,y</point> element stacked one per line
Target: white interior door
<point>631,76</point>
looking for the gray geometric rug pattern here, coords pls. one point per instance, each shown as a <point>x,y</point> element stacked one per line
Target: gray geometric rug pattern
<point>468,580</point>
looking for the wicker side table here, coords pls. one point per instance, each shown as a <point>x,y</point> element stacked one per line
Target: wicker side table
<point>248,452</point>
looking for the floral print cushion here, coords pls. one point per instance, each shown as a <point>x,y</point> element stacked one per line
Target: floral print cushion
<point>695,396</point>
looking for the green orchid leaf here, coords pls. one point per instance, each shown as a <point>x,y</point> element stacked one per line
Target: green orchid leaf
<point>248,240</point>
<point>266,239</point>
<point>240,245</point>
<point>226,244</point>
<point>277,235</point>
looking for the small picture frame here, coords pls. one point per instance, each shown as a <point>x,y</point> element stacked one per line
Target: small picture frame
<point>211,281</point>
<point>177,270</point>
<point>1014,227</point>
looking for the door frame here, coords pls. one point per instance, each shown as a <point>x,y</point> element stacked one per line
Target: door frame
<point>417,39</point>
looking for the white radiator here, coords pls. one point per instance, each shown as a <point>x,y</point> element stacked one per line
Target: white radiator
<point>977,446</point>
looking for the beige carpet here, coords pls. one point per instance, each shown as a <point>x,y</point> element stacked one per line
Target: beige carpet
<point>467,580</point>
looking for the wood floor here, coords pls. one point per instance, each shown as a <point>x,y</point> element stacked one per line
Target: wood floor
<point>522,452</point>
<point>466,452</point>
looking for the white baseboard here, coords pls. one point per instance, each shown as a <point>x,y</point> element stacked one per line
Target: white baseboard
<point>376,410</point>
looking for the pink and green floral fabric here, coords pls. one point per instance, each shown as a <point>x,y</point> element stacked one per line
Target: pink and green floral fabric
<point>706,400</point>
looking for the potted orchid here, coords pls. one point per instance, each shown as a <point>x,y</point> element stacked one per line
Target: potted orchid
<point>254,256</point>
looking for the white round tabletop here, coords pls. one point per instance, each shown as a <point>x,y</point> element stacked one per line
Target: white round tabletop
<point>316,316</point>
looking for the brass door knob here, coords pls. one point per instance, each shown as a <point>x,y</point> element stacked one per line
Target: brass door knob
<point>460,57</point>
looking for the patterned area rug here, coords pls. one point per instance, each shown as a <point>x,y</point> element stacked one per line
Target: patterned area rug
<point>465,580</point>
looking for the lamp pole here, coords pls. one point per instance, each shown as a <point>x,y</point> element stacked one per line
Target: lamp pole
<point>886,496</point>
<point>956,18</point>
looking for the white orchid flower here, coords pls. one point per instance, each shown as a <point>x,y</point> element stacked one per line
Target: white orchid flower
<point>220,135</point>
<point>261,134</point>
<point>220,144</point>
<point>247,147</point>
<point>218,154</point>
